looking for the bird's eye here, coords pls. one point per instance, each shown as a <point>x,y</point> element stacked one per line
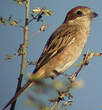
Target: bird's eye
<point>79,13</point>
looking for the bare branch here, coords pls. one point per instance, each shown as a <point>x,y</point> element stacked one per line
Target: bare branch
<point>24,46</point>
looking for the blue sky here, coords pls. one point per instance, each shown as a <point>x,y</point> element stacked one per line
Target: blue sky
<point>87,98</point>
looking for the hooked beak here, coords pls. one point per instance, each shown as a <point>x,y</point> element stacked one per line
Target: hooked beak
<point>94,15</point>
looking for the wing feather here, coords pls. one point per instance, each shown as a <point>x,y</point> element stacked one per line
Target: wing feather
<point>56,43</point>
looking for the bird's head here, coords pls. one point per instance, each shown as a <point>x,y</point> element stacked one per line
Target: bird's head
<point>80,12</point>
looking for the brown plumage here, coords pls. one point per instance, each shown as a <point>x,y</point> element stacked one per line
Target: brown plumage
<point>63,47</point>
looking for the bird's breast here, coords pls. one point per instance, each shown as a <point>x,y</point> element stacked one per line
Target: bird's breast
<point>72,51</point>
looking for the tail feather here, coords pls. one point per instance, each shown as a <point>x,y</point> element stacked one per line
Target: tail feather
<point>27,85</point>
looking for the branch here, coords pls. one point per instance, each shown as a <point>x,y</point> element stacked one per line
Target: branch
<point>73,82</point>
<point>86,59</point>
<point>24,46</point>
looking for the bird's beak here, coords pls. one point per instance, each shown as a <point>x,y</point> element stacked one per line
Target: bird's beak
<point>94,15</point>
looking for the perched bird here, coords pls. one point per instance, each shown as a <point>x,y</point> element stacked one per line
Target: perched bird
<point>63,47</point>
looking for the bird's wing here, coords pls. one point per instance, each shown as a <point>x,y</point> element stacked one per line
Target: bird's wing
<point>56,43</point>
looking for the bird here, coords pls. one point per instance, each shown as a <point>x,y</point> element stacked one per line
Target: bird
<point>63,48</point>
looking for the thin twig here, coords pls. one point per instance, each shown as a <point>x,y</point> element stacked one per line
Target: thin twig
<point>62,94</point>
<point>86,59</point>
<point>54,105</point>
<point>23,61</point>
<point>83,64</point>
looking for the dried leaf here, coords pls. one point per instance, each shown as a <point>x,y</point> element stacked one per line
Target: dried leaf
<point>3,20</point>
<point>43,27</point>
<point>9,57</point>
<point>20,2</point>
<point>36,10</point>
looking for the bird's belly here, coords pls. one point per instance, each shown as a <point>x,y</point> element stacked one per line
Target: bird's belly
<point>69,56</point>
<point>65,64</point>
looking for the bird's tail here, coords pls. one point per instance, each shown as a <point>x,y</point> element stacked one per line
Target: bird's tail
<point>27,85</point>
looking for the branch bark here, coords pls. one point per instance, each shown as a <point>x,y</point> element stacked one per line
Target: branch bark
<point>24,46</point>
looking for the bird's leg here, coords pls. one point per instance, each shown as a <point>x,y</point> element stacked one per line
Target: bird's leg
<point>55,73</point>
<point>70,77</point>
